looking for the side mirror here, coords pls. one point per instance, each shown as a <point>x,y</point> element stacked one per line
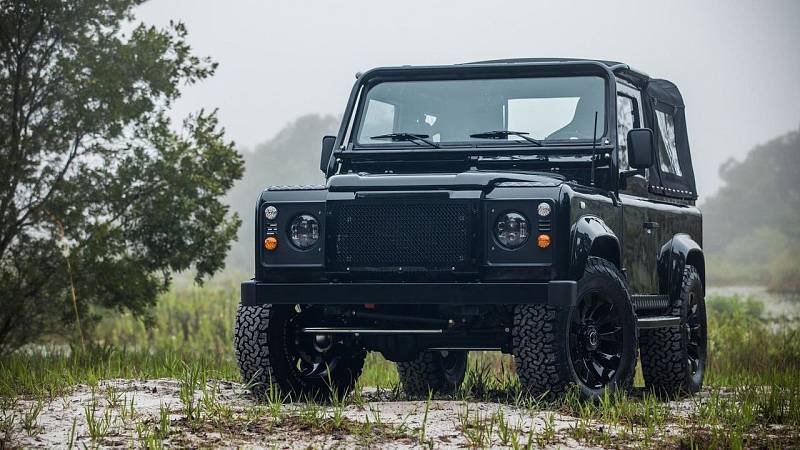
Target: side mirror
<point>640,148</point>
<point>327,150</point>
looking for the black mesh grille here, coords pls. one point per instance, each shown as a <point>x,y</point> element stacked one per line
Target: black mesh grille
<point>408,235</point>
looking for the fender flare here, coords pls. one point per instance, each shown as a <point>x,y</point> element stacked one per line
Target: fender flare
<point>672,260</point>
<point>590,236</point>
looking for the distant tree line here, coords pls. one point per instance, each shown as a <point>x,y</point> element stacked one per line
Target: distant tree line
<point>752,225</point>
<point>291,157</point>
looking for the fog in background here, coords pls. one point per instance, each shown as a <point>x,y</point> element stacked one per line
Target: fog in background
<point>736,62</point>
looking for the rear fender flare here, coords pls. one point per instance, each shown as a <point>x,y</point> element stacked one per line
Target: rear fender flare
<point>678,252</point>
<point>590,236</point>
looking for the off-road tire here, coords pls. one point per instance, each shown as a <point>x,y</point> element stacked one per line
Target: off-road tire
<point>428,372</point>
<point>664,351</point>
<point>540,339</point>
<point>263,357</point>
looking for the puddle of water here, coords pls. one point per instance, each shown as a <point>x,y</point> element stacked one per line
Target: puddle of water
<point>776,305</point>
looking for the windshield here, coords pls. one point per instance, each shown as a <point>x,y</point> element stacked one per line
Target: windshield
<point>524,110</point>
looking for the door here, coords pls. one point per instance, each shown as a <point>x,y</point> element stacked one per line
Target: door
<point>639,215</point>
<point>672,214</point>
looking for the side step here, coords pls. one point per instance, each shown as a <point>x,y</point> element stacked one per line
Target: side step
<point>657,322</point>
<point>337,330</point>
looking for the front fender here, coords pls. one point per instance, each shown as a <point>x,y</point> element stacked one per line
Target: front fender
<point>590,235</point>
<point>673,258</point>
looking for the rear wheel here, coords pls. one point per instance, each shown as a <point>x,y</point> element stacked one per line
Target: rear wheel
<point>591,345</point>
<point>271,350</point>
<point>438,371</point>
<point>674,358</point>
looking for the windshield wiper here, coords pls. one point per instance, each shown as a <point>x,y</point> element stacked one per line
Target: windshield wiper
<point>500,134</point>
<point>408,137</point>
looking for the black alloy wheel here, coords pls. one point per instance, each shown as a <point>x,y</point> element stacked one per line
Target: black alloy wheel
<point>595,339</point>
<point>674,358</point>
<point>696,337</point>
<point>272,350</point>
<point>590,345</point>
<point>312,356</point>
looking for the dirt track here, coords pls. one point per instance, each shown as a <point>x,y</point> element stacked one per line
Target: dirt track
<point>230,418</point>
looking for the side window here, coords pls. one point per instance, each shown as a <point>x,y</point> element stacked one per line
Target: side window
<point>627,119</point>
<point>667,150</point>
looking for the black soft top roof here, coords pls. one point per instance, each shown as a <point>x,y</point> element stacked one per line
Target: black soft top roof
<point>544,60</point>
<point>614,66</point>
<point>665,92</point>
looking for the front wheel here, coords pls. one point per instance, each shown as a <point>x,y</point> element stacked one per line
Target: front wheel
<point>591,345</point>
<point>271,351</point>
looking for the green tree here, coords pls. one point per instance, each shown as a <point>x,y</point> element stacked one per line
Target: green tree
<point>752,224</point>
<point>102,198</point>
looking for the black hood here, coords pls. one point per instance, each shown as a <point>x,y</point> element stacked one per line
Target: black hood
<point>464,180</point>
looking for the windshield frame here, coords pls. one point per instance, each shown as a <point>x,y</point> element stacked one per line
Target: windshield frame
<point>357,105</point>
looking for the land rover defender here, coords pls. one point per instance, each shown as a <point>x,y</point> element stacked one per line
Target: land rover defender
<point>540,207</point>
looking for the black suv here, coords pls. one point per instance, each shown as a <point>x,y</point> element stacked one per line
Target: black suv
<point>541,207</point>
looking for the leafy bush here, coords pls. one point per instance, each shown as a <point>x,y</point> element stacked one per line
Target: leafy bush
<point>745,348</point>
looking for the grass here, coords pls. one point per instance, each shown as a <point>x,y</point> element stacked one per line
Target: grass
<point>753,378</point>
<point>192,327</point>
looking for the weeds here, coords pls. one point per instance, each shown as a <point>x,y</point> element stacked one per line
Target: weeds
<point>71,440</point>
<point>220,414</point>
<point>30,416</point>
<point>504,429</point>
<point>425,417</point>
<point>275,402</point>
<point>113,396</point>
<point>163,421</point>
<point>337,410</point>
<point>753,375</point>
<point>127,411</point>
<point>7,421</point>
<point>148,437</point>
<point>311,415</point>
<point>189,382</point>
<point>548,434</point>
<point>477,428</point>
<point>97,425</point>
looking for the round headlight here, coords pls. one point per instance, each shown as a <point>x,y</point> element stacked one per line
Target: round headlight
<point>304,231</point>
<point>511,230</point>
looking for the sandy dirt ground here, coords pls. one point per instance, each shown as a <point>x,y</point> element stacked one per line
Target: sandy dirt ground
<point>233,419</point>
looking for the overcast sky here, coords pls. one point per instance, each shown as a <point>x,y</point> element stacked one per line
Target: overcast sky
<point>736,62</point>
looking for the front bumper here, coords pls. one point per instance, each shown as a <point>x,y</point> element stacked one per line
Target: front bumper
<point>556,293</point>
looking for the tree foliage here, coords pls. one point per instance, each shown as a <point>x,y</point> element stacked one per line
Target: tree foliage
<point>99,191</point>
<point>752,225</point>
<point>291,157</point>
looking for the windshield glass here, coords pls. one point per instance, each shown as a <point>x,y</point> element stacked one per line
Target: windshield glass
<point>546,109</point>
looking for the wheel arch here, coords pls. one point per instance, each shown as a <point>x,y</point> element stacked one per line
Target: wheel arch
<point>674,256</point>
<point>591,236</point>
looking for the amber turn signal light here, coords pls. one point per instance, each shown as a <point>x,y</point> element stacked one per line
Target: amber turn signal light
<point>271,243</point>
<point>543,241</point>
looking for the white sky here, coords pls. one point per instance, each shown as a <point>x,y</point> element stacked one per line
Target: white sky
<point>737,63</point>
